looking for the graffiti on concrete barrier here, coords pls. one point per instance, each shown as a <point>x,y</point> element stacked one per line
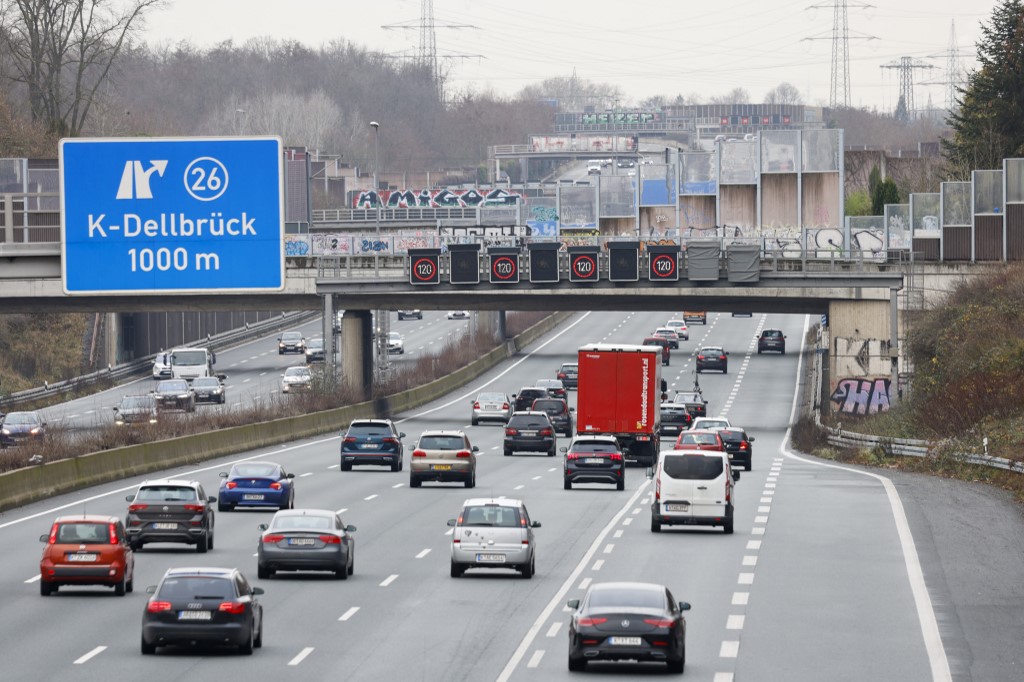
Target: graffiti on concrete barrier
<point>436,198</point>
<point>861,396</point>
<point>327,244</point>
<point>296,245</point>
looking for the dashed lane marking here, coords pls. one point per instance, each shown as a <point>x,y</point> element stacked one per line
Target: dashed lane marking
<point>348,614</point>
<point>301,656</point>
<point>95,652</point>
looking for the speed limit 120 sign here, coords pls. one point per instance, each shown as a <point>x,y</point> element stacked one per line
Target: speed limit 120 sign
<point>663,267</point>
<point>423,266</point>
<point>504,266</point>
<point>583,267</point>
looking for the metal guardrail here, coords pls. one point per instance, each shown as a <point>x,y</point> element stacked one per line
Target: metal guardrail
<point>144,365</point>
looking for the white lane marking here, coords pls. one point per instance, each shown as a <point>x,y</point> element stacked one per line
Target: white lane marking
<point>750,560</point>
<point>255,554</point>
<point>449,531</point>
<point>334,466</point>
<point>760,519</point>
<point>754,544</point>
<point>472,393</point>
<point>342,510</point>
<point>740,598</point>
<point>552,469</point>
<point>559,597</point>
<point>766,500</point>
<point>730,649</point>
<point>768,494</point>
<point>608,548</point>
<point>769,485</point>
<point>423,553</point>
<point>348,614</point>
<point>722,677</point>
<point>553,630</point>
<point>617,534</point>
<point>390,579</point>
<point>98,650</point>
<point>398,485</point>
<point>301,656</point>
<point>757,530</point>
<point>495,447</point>
<point>597,565</point>
<point>536,478</point>
<point>772,479</point>
<point>626,522</point>
<point>370,497</point>
<point>734,623</point>
<point>535,659</point>
<point>636,511</point>
<point>33,579</point>
<point>308,473</point>
<point>584,584</point>
<point>519,487</point>
<point>745,579</point>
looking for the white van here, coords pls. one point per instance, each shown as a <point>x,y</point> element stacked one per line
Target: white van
<point>190,363</point>
<point>693,487</point>
<point>594,167</point>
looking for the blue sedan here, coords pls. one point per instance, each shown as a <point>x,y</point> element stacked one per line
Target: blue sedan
<point>256,484</point>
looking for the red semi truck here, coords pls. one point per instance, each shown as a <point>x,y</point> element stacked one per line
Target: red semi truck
<point>620,392</point>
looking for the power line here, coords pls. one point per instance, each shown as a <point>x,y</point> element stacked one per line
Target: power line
<point>839,83</point>
<point>906,66</point>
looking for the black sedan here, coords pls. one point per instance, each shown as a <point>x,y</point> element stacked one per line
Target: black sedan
<point>209,390</point>
<point>627,621</point>
<point>712,357</point>
<point>739,446</point>
<point>594,459</point>
<point>203,605</point>
<point>675,419</point>
<point>306,540</point>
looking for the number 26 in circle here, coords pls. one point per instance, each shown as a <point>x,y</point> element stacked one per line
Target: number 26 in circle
<point>206,178</point>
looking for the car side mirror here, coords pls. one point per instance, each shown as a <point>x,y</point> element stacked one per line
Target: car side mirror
<point>257,591</point>
<point>650,473</point>
<point>573,603</point>
<point>726,352</point>
<point>751,439</point>
<point>664,387</point>
<point>350,528</point>
<point>684,606</point>
<point>211,499</point>
<point>44,538</point>
<point>535,524</point>
<point>129,497</point>
<point>452,522</point>
<point>476,449</point>
<point>563,449</point>
<point>222,377</point>
<point>290,476</point>
<point>735,475</point>
<point>513,396</point>
<point>151,589</point>
<point>402,434</point>
<point>115,408</point>
<point>223,474</point>
<point>262,526</point>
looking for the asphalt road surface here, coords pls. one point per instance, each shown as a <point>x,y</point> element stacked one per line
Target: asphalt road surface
<point>821,580</point>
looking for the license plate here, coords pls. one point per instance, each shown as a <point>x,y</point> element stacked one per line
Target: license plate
<point>301,541</point>
<point>677,507</point>
<point>252,497</point>
<point>81,557</point>
<point>625,641</point>
<point>442,467</point>
<point>369,446</point>
<point>491,558</point>
<point>165,526</point>
<point>593,460</point>
<point>528,433</point>
<point>490,406</point>
<point>195,615</point>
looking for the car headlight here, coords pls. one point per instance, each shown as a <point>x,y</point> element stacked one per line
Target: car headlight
<point>6,432</point>
<point>35,431</point>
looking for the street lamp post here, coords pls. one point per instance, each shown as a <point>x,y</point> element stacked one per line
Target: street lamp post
<point>376,193</point>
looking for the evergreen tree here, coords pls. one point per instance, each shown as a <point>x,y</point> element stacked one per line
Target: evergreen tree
<point>885,193</point>
<point>989,123</point>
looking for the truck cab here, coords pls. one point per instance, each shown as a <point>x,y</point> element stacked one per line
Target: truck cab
<point>190,363</point>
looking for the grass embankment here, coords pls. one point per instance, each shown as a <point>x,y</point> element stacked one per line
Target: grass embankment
<point>44,347</point>
<point>967,384</point>
<point>62,444</point>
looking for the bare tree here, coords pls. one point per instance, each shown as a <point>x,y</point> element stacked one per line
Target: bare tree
<point>734,96</point>
<point>783,93</point>
<point>62,52</point>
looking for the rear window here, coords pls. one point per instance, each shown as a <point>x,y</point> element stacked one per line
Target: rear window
<point>732,436</point>
<point>167,493</point>
<point>698,439</point>
<point>692,467</point>
<point>255,470</point>
<point>771,333</point>
<point>586,446</point>
<point>529,422</point>
<point>491,516</point>
<point>626,597</point>
<point>492,397</point>
<point>711,351</point>
<point>688,398</point>
<point>442,443</point>
<point>83,533</point>
<point>550,406</point>
<point>189,587</point>
<point>369,430</point>
<point>678,415</point>
<point>569,369</point>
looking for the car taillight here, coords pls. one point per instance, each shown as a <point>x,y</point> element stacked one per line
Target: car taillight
<point>53,535</point>
<point>273,539</point>
<point>700,357</point>
<point>235,607</point>
<point>561,375</point>
<point>587,621</point>
<point>511,432</point>
<point>275,485</point>
<point>721,357</point>
<point>113,534</point>
<point>197,508</point>
<point>504,406</point>
<point>391,441</point>
<point>158,606</point>
<point>463,454</point>
<point>330,539</point>
<point>743,445</point>
<point>230,485</point>
<point>476,406</point>
<point>546,432</point>
<point>615,457</point>
<point>419,453</point>
<point>572,455</point>
<point>137,507</point>
<point>350,439</point>
<point>657,490</point>
<point>659,622</point>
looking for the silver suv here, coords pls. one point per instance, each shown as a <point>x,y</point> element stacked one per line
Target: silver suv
<point>493,533</point>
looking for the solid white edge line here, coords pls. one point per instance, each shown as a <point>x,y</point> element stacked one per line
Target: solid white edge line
<point>33,579</point>
<point>527,641</point>
<point>86,657</point>
<point>937,658</point>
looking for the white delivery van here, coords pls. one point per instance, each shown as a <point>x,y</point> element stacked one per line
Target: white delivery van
<point>594,167</point>
<point>693,487</point>
<point>189,363</point>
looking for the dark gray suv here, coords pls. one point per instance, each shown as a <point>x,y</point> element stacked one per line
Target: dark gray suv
<point>170,510</point>
<point>530,431</point>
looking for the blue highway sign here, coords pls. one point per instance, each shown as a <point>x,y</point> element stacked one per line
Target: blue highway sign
<point>171,215</point>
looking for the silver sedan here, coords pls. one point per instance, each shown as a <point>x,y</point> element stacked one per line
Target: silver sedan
<point>491,406</point>
<point>306,540</point>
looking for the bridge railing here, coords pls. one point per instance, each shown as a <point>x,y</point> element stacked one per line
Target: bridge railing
<point>479,215</point>
<point>29,218</point>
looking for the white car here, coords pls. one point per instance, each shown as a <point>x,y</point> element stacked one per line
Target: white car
<point>396,344</point>
<point>296,379</point>
<point>680,328</point>
<point>410,314</point>
<point>458,314</point>
<point>710,423</point>
<point>162,366</point>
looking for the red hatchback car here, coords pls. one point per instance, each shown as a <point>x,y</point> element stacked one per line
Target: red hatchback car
<point>86,550</point>
<point>700,439</point>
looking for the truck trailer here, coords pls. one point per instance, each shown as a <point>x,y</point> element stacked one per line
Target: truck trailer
<point>620,391</point>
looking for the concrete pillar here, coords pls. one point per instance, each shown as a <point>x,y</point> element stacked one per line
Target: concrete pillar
<point>501,333</point>
<point>330,357</point>
<point>112,341</point>
<point>357,350</point>
<point>861,340</point>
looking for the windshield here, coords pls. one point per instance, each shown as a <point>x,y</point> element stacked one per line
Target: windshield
<point>296,372</point>
<point>291,336</point>
<point>188,358</point>
<point>172,387</point>
<point>136,402</point>
<point>21,418</point>
<point>315,344</point>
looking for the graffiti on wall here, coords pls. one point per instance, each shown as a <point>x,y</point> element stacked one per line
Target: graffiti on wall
<point>857,396</point>
<point>862,357</point>
<point>543,221</point>
<point>436,198</point>
<point>296,245</point>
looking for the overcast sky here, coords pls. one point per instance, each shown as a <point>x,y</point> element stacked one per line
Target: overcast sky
<point>645,47</point>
